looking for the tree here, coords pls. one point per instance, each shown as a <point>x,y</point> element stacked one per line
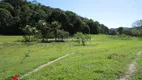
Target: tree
<point>136,32</point>
<point>26,14</point>
<point>93,26</point>
<point>35,2</point>
<point>81,38</point>
<point>16,3</point>
<point>71,21</point>
<point>44,28</point>
<point>120,30</point>
<point>7,6</point>
<point>112,32</point>
<point>137,24</point>
<point>55,26</point>
<point>5,21</point>
<point>103,29</point>
<point>62,34</point>
<point>29,33</point>
<point>38,13</point>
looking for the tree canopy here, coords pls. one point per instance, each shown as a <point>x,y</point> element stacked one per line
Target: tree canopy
<point>16,14</point>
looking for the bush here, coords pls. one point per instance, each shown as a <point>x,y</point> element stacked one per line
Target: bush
<point>133,32</point>
<point>30,33</point>
<point>82,38</point>
<point>61,34</point>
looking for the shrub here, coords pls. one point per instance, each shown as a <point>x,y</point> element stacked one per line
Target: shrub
<point>82,38</point>
<point>30,33</point>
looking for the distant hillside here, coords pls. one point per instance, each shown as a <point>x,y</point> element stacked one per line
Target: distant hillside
<point>124,28</point>
<point>16,14</point>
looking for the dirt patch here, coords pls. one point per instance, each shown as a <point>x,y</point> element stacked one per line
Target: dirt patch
<point>132,68</point>
<point>44,65</point>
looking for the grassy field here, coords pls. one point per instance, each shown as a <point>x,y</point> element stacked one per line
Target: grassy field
<point>104,58</point>
<point>138,75</point>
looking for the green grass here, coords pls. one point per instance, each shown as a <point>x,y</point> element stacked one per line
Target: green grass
<point>104,58</point>
<point>13,53</point>
<point>10,39</point>
<point>138,74</point>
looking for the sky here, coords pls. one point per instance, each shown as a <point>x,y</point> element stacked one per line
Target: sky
<point>112,13</point>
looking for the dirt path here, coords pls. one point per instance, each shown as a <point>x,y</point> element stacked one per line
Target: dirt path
<point>44,65</point>
<point>131,69</point>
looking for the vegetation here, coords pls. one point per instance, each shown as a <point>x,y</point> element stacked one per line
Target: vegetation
<point>16,14</point>
<point>120,30</point>
<point>105,57</point>
<point>138,74</point>
<point>30,33</point>
<point>136,30</point>
<point>81,38</point>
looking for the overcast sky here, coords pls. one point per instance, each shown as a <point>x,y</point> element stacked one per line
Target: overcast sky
<point>112,13</point>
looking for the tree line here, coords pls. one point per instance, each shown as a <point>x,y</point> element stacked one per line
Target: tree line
<point>136,30</point>
<point>18,15</point>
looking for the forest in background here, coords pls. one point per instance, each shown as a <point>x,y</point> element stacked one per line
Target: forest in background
<point>16,14</point>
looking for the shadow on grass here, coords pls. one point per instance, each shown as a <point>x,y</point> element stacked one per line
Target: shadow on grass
<point>50,41</point>
<point>85,45</point>
<point>40,41</point>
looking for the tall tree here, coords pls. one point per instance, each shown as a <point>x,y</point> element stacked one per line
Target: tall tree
<point>44,28</point>
<point>137,24</point>
<point>120,30</point>
<point>55,26</point>
<point>16,3</point>
<point>7,6</point>
<point>5,21</point>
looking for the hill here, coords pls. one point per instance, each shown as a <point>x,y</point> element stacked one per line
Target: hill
<point>16,14</point>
